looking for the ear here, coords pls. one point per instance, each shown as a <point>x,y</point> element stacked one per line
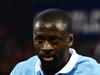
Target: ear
<point>71,40</point>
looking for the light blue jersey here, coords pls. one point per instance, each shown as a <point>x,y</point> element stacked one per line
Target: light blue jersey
<point>77,65</point>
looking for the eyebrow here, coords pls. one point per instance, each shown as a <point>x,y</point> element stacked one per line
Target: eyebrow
<point>56,36</point>
<point>38,36</point>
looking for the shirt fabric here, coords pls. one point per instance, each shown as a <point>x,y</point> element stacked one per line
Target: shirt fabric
<point>77,65</point>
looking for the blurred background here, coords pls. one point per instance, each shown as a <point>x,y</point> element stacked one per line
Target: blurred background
<point>16,17</point>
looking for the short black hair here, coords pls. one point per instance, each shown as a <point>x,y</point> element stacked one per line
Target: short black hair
<point>52,16</point>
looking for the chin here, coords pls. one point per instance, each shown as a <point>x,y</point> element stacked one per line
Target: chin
<point>49,65</point>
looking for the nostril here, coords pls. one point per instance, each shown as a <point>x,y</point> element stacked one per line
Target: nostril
<point>47,52</point>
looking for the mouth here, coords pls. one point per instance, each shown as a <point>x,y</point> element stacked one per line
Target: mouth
<point>48,59</point>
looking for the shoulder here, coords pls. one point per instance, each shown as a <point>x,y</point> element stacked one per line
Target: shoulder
<point>85,59</point>
<point>87,65</point>
<point>26,65</point>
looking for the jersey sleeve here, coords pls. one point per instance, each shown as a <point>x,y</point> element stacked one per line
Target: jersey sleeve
<point>17,69</point>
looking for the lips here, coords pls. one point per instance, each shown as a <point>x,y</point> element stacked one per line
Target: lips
<point>48,59</point>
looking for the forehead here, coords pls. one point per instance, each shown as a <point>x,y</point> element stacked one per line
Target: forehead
<point>49,34</point>
<point>58,26</point>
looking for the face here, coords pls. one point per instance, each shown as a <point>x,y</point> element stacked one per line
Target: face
<point>51,44</point>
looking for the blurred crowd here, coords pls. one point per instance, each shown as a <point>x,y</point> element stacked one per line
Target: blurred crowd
<point>11,51</point>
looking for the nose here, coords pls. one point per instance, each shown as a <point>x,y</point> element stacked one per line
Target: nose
<point>46,46</point>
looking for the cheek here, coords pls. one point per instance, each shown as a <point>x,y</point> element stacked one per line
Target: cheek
<point>37,47</point>
<point>36,44</point>
<point>60,50</point>
<point>61,45</point>
<point>60,54</point>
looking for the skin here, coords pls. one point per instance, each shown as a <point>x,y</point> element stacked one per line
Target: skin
<point>52,46</point>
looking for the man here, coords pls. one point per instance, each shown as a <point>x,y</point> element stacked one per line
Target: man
<point>53,39</point>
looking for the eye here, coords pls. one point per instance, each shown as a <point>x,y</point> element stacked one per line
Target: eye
<point>55,42</point>
<point>39,41</point>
